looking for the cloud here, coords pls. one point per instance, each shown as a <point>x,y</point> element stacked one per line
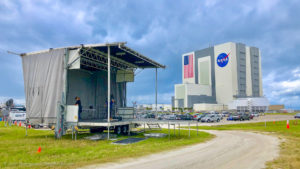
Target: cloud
<point>283,91</point>
<point>161,30</point>
<point>17,101</point>
<point>150,99</point>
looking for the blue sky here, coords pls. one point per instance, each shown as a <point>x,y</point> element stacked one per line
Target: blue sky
<point>161,30</point>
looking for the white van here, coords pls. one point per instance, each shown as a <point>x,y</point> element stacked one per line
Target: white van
<point>17,116</point>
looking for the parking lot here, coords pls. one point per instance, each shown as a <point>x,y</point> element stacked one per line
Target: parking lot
<point>254,120</point>
<point>217,121</point>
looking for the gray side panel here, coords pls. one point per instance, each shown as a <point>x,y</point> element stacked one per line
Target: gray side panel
<point>202,53</point>
<point>200,99</point>
<point>254,59</point>
<point>241,69</point>
<point>44,84</point>
<point>91,87</point>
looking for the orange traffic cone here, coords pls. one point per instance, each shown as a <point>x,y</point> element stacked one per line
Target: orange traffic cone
<point>287,124</point>
<point>39,150</point>
<point>274,122</point>
<point>15,123</point>
<point>29,126</point>
<point>20,124</point>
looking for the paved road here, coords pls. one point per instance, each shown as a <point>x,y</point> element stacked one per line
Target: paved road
<point>229,150</point>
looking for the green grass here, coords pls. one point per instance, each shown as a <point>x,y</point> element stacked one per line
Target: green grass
<point>292,114</point>
<point>20,151</point>
<point>289,148</point>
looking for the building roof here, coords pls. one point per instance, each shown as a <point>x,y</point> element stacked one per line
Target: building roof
<point>117,50</point>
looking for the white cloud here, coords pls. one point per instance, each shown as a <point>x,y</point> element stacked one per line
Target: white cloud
<point>162,98</point>
<point>17,100</point>
<point>210,3</point>
<point>266,5</point>
<point>284,91</point>
<point>296,72</point>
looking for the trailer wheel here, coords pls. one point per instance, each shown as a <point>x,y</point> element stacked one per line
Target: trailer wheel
<point>124,129</point>
<point>36,126</point>
<point>96,130</point>
<point>118,130</point>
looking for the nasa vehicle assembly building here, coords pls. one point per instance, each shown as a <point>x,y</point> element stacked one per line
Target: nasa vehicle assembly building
<point>216,78</point>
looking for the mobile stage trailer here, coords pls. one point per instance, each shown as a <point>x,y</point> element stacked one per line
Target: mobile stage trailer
<point>95,73</point>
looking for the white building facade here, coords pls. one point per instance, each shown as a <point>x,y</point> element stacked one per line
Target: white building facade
<point>218,75</point>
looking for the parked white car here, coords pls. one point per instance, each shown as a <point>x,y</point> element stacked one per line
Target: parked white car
<point>17,116</point>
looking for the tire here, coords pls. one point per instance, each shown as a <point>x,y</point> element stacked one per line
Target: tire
<point>208,121</point>
<point>118,130</point>
<point>218,120</point>
<point>96,130</point>
<point>125,129</point>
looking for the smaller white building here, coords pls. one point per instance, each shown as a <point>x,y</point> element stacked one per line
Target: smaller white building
<point>162,107</point>
<point>254,104</point>
<point>152,107</point>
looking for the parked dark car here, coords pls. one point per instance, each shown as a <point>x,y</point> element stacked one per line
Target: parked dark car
<point>297,115</point>
<point>225,113</point>
<point>186,117</point>
<point>241,117</point>
<point>150,115</point>
<point>244,116</point>
<point>251,116</point>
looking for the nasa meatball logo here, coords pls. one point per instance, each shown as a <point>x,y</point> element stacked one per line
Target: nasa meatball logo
<point>223,59</point>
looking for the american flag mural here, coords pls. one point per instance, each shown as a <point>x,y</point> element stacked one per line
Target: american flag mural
<point>188,66</point>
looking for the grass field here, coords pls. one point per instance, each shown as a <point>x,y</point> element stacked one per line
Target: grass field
<point>292,114</point>
<point>289,148</point>
<point>20,151</point>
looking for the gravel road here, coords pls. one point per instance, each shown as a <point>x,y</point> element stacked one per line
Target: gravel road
<point>229,150</point>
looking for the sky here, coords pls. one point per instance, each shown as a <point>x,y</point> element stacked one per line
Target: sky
<point>162,30</point>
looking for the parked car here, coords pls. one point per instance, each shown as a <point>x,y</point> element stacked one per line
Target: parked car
<point>297,115</point>
<point>171,117</point>
<point>211,118</point>
<point>195,115</point>
<point>17,115</point>
<point>147,115</point>
<point>200,116</point>
<point>236,117</point>
<point>186,117</point>
<point>244,116</point>
<point>225,113</point>
<point>230,117</point>
<point>255,114</point>
<point>220,116</point>
<point>160,116</point>
<point>251,116</point>
<point>18,108</point>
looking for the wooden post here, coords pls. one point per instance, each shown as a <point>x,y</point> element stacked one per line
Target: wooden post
<point>189,130</point>
<point>197,128</point>
<point>174,129</point>
<point>179,130</point>
<point>72,132</point>
<point>169,129</point>
<point>265,123</point>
